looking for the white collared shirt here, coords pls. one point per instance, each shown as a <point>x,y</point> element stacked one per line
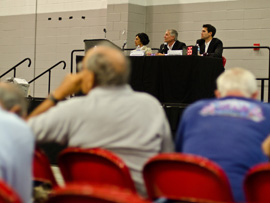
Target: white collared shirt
<point>170,47</point>
<point>207,45</point>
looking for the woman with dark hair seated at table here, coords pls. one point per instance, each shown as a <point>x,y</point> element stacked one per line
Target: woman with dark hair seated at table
<point>141,41</point>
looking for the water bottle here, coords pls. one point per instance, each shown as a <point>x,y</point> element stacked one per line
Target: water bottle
<point>198,50</point>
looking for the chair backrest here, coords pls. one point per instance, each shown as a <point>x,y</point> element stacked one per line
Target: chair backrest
<point>224,60</point>
<point>41,168</point>
<point>257,184</point>
<point>7,194</point>
<point>94,166</point>
<point>186,177</point>
<point>85,193</point>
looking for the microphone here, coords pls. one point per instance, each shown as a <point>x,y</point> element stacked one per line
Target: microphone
<point>105,31</point>
<point>125,42</point>
<point>165,48</point>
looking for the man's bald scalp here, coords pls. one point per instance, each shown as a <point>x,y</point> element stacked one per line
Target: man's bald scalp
<point>109,66</point>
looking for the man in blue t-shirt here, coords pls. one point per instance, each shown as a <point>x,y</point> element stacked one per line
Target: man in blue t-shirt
<point>228,130</point>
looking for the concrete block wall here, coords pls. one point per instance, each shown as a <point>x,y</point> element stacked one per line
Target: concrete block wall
<point>47,37</point>
<point>57,38</point>
<point>117,23</point>
<point>136,22</point>
<point>17,42</point>
<point>25,34</point>
<point>124,21</point>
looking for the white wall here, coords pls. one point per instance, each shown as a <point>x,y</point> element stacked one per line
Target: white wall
<point>44,38</point>
<point>162,2</point>
<point>20,7</point>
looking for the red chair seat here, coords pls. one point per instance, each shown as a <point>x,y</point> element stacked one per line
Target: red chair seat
<point>42,169</point>
<point>94,166</point>
<point>257,184</point>
<point>186,177</point>
<point>84,193</point>
<point>224,60</point>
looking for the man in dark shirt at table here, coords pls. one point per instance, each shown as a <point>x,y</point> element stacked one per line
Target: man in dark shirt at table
<point>170,42</point>
<point>210,46</point>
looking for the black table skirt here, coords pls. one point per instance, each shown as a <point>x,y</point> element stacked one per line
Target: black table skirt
<point>176,79</point>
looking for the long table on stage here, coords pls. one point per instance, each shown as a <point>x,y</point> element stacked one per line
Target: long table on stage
<point>175,79</point>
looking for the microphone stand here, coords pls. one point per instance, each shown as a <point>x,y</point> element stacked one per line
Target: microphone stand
<point>165,48</point>
<point>105,31</point>
<point>125,42</point>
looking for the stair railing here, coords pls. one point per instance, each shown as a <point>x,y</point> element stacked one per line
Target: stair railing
<point>14,67</point>
<point>48,70</point>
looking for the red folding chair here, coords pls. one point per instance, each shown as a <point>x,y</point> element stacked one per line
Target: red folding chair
<point>185,177</point>
<point>42,171</point>
<point>257,184</point>
<point>84,193</point>
<point>7,194</point>
<point>94,166</point>
<point>224,60</point>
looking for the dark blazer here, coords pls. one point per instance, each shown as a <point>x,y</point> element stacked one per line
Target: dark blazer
<point>215,48</point>
<point>177,46</point>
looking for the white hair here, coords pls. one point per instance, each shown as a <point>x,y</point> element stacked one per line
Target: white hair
<point>173,33</point>
<point>237,79</point>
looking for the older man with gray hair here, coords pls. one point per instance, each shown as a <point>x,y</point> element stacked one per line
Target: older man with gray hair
<point>228,130</point>
<point>111,115</point>
<point>170,42</point>
<point>16,142</point>
<point>12,99</point>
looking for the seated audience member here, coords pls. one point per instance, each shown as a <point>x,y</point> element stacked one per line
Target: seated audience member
<point>210,46</point>
<point>228,130</point>
<point>170,42</point>
<point>111,115</point>
<point>12,99</point>
<point>141,41</point>
<point>16,142</point>
<point>266,146</point>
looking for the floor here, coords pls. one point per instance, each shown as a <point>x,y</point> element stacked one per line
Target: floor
<point>57,174</point>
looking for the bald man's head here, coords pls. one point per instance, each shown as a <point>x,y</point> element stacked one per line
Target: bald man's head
<point>109,65</point>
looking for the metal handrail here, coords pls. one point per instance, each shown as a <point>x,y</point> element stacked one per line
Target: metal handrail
<point>48,70</point>
<point>14,67</point>
<point>262,87</point>
<point>254,47</point>
<point>262,79</point>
